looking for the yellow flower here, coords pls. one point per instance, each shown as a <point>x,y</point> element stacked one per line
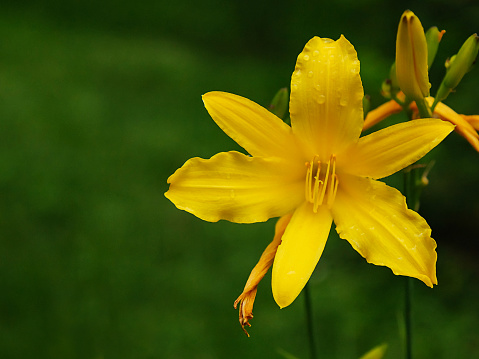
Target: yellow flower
<point>318,170</point>
<point>411,57</point>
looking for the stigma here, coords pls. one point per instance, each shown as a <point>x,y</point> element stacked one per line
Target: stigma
<point>321,182</point>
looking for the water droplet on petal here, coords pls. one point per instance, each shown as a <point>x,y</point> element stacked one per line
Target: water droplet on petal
<point>321,99</point>
<point>310,74</point>
<point>315,53</point>
<point>306,57</point>
<point>343,102</point>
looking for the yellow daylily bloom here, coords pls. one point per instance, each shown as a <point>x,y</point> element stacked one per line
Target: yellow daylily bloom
<point>318,170</point>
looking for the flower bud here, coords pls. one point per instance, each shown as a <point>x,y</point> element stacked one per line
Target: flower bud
<point>411,57</point>
<point>433,38</point>
<point>366,104</point>
<point>279,104</point>
<point>462,62</point>
<point>376,353</point>
<point>457,66</point>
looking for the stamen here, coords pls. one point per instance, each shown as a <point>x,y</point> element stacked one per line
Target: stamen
<point>332,195</point>
<point>307,187</point>
<point>321,189</point>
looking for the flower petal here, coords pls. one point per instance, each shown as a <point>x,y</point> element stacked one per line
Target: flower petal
<point>253,127</point>
<point>389,150</point>
<point>375,220</point>
<point>326,96</point>
<point>236,187</point>
<point>302,245</point>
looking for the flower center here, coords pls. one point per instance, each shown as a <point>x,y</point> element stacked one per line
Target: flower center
<point>321,182</point>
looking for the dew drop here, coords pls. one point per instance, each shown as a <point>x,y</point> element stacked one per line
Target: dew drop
<point>321,99</point>
<point>306,57</point>
<point>343,102</point>
<point>310,74</point>
<point>315,53</point>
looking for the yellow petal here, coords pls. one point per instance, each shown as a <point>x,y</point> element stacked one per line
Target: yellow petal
<point>236,187</point>
<point>387,151</point>
<point>326,96</point>
<point>302,245</point>
<point>253,127</point>
<point>375,220</point>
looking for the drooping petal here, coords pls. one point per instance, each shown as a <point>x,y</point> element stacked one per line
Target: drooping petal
<point>326,96</point>
<point>253,127</point>
<point>375,220</point>
<point>247,297</point>
<point>302,245</point>
<point>236,187</point>
<point>389,150</point>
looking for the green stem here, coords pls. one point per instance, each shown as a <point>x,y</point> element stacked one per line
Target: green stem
<point>408,317</point>
<point>310,321</point>
<point>412,192</point>
<point>423,108</point>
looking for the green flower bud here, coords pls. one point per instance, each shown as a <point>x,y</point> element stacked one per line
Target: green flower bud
<point>279,104</point>
<point>433,37</point>
<point>457,66</point>
<point>462,62</point>
<point>366,104</point>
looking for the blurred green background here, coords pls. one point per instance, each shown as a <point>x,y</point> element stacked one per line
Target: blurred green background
<point>100,101</point>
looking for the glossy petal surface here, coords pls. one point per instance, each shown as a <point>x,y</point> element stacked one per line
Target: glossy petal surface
<point>302,245</point>
<point>253,127</point>
<point>326,96</point>
<point>236,187</point>
<point>375,220</point>
<point>387,151</point>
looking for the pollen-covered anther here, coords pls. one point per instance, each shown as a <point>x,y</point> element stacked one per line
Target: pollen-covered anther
<point>321,182</point>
